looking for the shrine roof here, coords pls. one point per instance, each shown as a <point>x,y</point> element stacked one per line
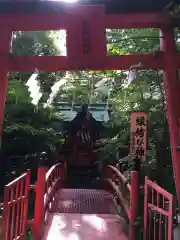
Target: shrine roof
<point>99,111</point>
<point>111,6</point>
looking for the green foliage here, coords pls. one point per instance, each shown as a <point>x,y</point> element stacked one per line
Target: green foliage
<point>34,44</point>
<point>25,139</point>
<point>126,41</point>
<point>146,94</point>
<point>27,129</point>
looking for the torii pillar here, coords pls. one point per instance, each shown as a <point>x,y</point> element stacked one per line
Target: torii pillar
<point>172,92</point>
<point>5,43</point>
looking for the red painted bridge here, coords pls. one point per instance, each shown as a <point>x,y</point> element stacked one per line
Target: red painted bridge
<point>62,212</point>
<point>84,214</point>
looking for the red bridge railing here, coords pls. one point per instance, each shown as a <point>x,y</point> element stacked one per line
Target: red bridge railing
<point>54,178</point>
<point>158,212</point>
<point>127,194</point>
<point>119,185</point>
<point>47,183</point>
<point>158,203</point>
<point>15,207</point>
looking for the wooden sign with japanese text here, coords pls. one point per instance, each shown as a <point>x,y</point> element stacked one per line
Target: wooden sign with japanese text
<point>139,135</point>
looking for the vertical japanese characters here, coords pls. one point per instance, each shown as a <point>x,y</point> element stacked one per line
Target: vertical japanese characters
<point>85,34</point>
<point>139,135</point>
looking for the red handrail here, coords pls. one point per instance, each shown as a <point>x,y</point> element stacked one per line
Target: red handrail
<point>158,212</point>
<point>121,176</point>
<point>15,207</point>
<point>47,184</point>
<point>158,189</point>
<point>52,169</point>
<point>54,176</point>
<point>127,194</point>
<point>120,186</point>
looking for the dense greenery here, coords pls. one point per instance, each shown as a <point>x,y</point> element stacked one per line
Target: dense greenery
<point>28,129</point>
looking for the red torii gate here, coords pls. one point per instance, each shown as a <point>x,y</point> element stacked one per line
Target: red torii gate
<point>86,50</point>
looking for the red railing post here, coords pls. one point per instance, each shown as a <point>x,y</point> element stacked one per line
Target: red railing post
<point>39,203</point>
<point>134,203</point>
<point>170,218</point>
<point>6,213</point>
<point>25,213</point>
<point>145,236</point>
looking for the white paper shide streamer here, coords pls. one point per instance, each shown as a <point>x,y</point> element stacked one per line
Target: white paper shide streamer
<point>34,88</point>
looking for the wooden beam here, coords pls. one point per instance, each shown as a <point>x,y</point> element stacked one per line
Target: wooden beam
<point>34,22</point>
<point>134,20</point>
<point>56,21</point>
<point>59,63</point>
